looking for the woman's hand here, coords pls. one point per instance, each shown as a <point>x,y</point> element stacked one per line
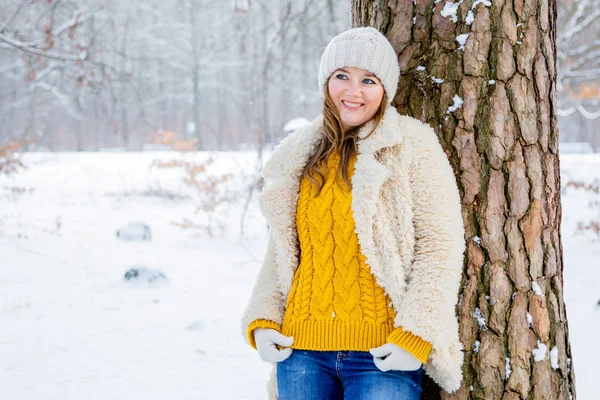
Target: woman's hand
<point>266,343</point>
<point>393,357</point>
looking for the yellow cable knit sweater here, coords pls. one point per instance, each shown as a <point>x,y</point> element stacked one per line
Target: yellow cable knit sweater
<point>335,302</point>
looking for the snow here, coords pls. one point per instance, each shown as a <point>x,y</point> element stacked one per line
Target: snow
<point>536,289</point>
<point>72,326</point>
<point>476,346</point>
<point>581,273</point>
<point>462,40</point>
<point>539,354</point>
<point>576,147</point>
<point>421,68</point>
<point>492,82</point>
<point>437,80</point>
<point>508,370</point>
<point>582,110</point>
<point>529,319</point>
<point>295,124</point>
<point>470,18</point>
<point>458,102</point>
<point>554,357</point>
<point>486,3</point>
<point>479,317</point>
<point>450,10</point>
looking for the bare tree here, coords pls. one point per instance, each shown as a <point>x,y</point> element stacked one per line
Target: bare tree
<point>578,58</point>
<point>578,42</point>
<point>483,74</point>
<point>88,75</point>
<point>40,40</point>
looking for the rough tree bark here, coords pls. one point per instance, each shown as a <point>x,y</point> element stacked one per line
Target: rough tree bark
<point>502,142</point>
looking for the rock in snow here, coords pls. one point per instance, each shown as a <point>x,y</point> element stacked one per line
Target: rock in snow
<point>145,276</point>
<point>195,326</point>
<point>135,231</point>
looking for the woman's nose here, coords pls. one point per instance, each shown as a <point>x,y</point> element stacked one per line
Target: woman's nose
<point>354,89</point>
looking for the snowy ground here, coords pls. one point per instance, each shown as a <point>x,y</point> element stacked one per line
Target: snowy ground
<point>582,269</point>
<point>71,328</point>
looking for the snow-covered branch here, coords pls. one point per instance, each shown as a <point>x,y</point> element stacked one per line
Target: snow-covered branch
<point>23,46</point>
<point>573,26</point>
<point>10,21</point>
<point>565,112</point>
<point>64,99</point>
<point>131,67</point>
<point>9,67</point>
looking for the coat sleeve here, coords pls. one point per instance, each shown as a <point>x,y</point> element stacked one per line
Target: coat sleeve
<point>266,301</point>
<point>428,309</point>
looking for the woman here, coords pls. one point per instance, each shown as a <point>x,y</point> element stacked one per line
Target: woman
<point>356,296</point>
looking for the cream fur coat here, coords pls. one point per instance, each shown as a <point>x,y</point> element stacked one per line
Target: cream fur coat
<point>407,211</point>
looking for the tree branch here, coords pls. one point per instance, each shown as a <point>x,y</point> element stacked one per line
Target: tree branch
<point>8,23</point>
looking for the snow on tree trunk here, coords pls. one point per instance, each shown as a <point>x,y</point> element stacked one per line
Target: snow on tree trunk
<point>483,74</point>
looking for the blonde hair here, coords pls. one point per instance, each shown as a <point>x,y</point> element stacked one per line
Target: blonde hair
<point>334,139</point>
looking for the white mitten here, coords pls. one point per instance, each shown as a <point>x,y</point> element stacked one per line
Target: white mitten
<point>266,342</point>
<point>390,356</point>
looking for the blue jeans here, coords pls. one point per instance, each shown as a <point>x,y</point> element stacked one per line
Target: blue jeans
<point>348,375</point>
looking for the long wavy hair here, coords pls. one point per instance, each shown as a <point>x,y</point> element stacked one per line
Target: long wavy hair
<point>334,139</point>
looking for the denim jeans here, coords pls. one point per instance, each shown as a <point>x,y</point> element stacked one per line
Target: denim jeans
<point>348,375</point>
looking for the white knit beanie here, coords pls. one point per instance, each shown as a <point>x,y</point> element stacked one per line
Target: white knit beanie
<point>364,48</point>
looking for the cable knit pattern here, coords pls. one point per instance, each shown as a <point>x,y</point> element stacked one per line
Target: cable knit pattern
<point>335,302</point>
<point>303,278</point>
<point>321,233</point>
<point>375,309</point>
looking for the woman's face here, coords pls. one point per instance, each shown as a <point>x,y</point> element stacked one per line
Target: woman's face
<point>356,93</point>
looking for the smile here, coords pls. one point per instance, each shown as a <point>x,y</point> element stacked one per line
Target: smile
<point>351,106</point>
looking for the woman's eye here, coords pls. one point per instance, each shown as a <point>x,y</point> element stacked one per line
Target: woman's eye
<point>341,76</point>
<point>369,81</point>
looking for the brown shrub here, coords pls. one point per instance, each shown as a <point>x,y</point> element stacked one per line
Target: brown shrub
<point>10,162</point>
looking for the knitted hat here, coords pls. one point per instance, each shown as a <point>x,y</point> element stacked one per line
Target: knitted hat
<point>364,48</point>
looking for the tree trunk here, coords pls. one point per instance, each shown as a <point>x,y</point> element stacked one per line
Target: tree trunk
<point>124,126</point>
<point>79,124</point>
<point>196,95</point>
<point>493,106</point>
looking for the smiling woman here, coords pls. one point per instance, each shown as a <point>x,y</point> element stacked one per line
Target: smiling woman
<point>357,95</point>
<point>352,97</point>
<point>356,296</point>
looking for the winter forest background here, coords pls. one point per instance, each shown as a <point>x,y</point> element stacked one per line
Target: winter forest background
<point>91,75</point>
<point>131,136</point>
<point>228,73</point>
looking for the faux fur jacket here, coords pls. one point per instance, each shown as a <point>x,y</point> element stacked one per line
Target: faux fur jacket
<point>407,211</point>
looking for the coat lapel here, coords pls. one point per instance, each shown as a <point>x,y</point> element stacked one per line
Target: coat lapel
<point>283,172</point>
<point>278,200</point>
<point>369,176</point>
